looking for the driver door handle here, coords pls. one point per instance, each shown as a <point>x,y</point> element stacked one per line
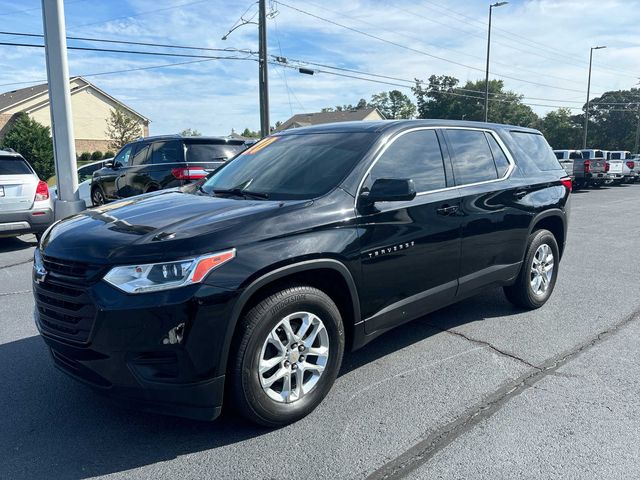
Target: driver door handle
<point>447,209</point>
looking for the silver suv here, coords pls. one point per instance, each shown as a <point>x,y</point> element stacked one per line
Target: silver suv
<point>25,204</point>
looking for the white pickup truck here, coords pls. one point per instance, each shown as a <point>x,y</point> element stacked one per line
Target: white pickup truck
<point>621,168</point>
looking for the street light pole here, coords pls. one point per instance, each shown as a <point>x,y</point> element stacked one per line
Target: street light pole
<point>586,114</point>
<point>64,150</point>
<point>637,143</point>
<point>263,73</point>
<point>486,78</point>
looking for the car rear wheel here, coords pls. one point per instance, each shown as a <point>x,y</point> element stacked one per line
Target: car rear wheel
<point>286,356</point>
<point>538,273</point>
<point>97,197</point>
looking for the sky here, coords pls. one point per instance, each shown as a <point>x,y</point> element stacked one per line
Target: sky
<point>539,48</point>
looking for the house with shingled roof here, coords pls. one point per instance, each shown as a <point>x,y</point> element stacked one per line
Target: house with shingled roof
<point>317,118</point>
<point>91,107</point>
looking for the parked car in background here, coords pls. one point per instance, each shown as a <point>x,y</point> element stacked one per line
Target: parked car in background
<point>248,287</point>
<point>25,203</point>
<point>85,174</point>
<point>594,168</point>
<point>625,166</point>
<point>156,163</point>
<point>567,159</point>
<point>583,170</point>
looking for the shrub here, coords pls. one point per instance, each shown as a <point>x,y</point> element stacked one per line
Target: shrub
<point>97,155</point>
<point>85,157</point>
<point>109,154</point>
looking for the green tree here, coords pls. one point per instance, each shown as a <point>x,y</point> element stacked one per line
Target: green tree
<point>614,119</point>
<point>560,129</point>
<point>33,141</point>
<point>362,104</point>
<point>122,128</point>
<point>251,134</point>
<point>393,104</point>
<point>442,98</point>
<point>190,132</point>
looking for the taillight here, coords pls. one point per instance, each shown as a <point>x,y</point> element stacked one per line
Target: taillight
<point>567,183</point>
<point>587,166</point>
<point>631,165</point>
<point>606,166</point>
<point>188,173</point>
<point>42,191</point>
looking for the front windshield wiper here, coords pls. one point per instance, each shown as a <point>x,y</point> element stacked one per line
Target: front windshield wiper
<point>240,192</point>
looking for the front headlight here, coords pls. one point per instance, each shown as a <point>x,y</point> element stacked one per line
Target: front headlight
<point>152,277</point>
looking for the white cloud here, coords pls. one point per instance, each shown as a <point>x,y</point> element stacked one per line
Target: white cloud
<point>548,44</point>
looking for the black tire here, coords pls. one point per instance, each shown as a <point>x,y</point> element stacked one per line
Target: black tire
<point>246,392</point>
<point>97,197</point>
<point>521,293</point>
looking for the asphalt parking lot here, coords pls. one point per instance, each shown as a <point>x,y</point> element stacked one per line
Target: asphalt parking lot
<point>477,390</point>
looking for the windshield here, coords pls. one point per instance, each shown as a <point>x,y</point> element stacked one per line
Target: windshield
<point>292,167</point>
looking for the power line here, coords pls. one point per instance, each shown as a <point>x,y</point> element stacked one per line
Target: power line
<point>382,82</point>
<point>132,52</point>
<point>128,42</point>
<point>112,72</point>
<point>413,82</point>
<point>422,52</point>
<point>411,37</point>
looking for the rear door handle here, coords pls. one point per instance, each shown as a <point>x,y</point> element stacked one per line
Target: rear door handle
<point>447,209</point>
<point>521,194</point>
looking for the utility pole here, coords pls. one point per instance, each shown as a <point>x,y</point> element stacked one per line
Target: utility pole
<point>263,71</point>
<point>486,78</point>
<point>586,113</point>
<point>64,149</point>
<point>637,143</point>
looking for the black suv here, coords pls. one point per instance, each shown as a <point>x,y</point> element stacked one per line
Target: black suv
<point>156,163</point>
<point>250,284</point>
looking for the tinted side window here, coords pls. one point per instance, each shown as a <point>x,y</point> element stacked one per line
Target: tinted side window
<point>472,158</point>
<point>537,150</point>
<point>167,152</point>
<point>141,154</point>
<point>211,152</point>
<point>415,155</point>
<point>499,158</point>
<point>123,156</point>
<point>575,155</point>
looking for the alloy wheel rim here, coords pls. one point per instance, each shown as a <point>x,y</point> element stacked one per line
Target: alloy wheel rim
<point>542,269</point>
<point>293,357</point>
<point>97,197</point>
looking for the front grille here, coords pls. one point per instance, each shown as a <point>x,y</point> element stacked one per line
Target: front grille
<point>71,271</point>
<point>65,309</point>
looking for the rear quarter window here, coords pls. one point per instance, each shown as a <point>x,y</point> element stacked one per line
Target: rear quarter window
<point>207,152</point>
<point>536,151</point>
<point>14,166</point>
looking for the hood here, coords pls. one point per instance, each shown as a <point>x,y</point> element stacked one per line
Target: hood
<point>162,225</point>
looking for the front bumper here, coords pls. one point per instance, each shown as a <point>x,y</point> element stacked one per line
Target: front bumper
<point>36,220</point>
<point>129,353</point>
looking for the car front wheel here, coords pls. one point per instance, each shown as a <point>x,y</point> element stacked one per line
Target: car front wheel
<point>287,353</point>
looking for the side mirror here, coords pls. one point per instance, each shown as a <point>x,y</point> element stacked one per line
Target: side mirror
<point>109,164</point>
<point>390,190</point>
